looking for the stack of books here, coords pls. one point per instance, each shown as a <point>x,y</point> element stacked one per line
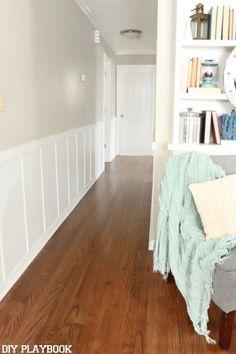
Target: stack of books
<point>204,129</point>
<point>222,23</point>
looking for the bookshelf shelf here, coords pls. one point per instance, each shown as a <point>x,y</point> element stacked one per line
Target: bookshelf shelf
<point>188,96</point>
<point>208,43</point>
<point>211,149</point>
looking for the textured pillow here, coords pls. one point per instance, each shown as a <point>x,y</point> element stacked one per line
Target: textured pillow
<point>216,204</point>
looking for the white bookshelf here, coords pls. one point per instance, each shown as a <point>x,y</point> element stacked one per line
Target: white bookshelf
<point>185,48</point>
<point>215,97</point>
<point>210,149</point>
<point>208,43</point>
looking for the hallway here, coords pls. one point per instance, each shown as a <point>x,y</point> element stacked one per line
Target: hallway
<point>88,286</point>
<point>93,287</point>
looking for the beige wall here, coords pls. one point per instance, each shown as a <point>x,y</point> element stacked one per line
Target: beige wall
<point>45,47</point>
<point>164,100</point>
<point>135,59</point>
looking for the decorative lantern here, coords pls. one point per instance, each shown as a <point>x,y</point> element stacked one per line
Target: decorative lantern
<point>199,23</point>
<point>209,73</point>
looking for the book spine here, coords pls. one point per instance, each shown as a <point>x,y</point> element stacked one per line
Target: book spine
<point>207,136</point>
<point>213,131</point>
<point>213,23</point>
<point>194,73</point>
<point>234,24</point>
<point>231,23</point>
<point>219,22</point>
<point>190,63</point>
<point>202,127</point>
<point>215,128</point>
<point>198,79</point>
<point>225,34</point>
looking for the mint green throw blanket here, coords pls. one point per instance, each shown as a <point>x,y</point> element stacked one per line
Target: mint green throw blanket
<point>180,244</point>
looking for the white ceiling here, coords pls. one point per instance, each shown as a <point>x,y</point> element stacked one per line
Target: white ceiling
<point>112,16</point>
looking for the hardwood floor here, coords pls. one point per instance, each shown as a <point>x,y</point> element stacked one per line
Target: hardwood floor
<point>92,286</point>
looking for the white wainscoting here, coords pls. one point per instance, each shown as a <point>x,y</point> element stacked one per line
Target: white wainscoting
<point>40,184</point>
<point>112,139</point>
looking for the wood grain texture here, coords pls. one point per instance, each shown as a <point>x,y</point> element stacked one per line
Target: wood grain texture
<point>92,286</point>
<point>226,327</point>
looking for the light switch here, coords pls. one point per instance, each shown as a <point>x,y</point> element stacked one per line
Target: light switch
<point>2,103</point>
<point>97,37</point>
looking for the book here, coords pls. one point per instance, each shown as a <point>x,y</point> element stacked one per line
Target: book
<point>202,128</point>
<point>207,131</point>
<point>190,63</point>
<point>219,22</point>
<point>194,73</point>
<point>234,25</point>
<point>198,78</point>
<point>231,20</point>
<point>225,30</point>
<point>204,90</point>
<point>213,14</point>
<point>215,128</point>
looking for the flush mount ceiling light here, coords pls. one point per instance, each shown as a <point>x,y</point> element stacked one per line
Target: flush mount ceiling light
<point>131,33</point>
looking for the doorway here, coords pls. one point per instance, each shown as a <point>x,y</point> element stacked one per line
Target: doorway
<point>135,109</point>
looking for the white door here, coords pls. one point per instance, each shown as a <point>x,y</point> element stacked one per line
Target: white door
<point>135,108</point>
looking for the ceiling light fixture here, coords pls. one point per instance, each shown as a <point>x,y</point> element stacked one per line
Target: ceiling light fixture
<point>131,33</point>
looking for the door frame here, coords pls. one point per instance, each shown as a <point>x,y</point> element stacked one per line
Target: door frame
<point>107,102</point>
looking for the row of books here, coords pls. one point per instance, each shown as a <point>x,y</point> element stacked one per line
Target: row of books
<point>204,129</point>
<point>222,23</point>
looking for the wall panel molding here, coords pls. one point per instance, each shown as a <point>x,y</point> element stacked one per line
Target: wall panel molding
<point>41,183</point>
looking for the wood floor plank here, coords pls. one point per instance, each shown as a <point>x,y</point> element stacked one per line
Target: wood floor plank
<point>93,287</point>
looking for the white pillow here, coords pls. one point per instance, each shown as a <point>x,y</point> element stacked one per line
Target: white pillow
<point>216,204</point>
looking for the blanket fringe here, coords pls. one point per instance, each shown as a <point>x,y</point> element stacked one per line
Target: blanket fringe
<point>210,340</point>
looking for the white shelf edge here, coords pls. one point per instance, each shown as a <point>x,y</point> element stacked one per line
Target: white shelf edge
<point>208,43</point>
<point>189,96</point>
<point>211,149</point>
